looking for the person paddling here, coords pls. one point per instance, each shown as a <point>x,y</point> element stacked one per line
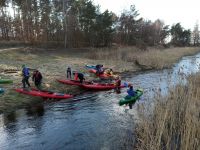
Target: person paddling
<point>131,93</point>
<point>37,78</point>
<point>26,75</point>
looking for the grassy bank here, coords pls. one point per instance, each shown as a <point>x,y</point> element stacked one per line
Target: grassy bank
<point>132,58</point>
<point>53,62</point>
<point>174,122</point>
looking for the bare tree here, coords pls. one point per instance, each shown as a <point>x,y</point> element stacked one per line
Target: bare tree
<point>195,35</point>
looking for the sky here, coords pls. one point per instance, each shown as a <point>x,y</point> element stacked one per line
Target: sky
<point>170,11</point>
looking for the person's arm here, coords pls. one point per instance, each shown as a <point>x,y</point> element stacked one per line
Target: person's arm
<point>41,76</point>
<point>23,74</point>
<point>127,91</point>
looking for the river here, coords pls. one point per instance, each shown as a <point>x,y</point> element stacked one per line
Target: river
<point>91,120</point>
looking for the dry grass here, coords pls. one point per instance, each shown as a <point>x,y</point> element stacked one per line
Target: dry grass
<point>120,59</point>
<point>150,59</point>
<point>174,122</point>
<point>159,59</point>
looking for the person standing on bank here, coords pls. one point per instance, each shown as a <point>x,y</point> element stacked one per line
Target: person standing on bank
<point>37,78</point>
<point>69,73</point>
<point>26,75</point>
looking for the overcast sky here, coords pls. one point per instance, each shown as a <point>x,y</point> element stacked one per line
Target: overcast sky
<point>187,12</point>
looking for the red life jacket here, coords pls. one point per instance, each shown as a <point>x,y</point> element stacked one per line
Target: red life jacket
<point>76,76</point>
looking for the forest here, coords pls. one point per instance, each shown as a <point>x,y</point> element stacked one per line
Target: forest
<point>80,23</point>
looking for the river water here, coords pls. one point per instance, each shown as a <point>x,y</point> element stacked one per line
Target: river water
<point>89,121</point>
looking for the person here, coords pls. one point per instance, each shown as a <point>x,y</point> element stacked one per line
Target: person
<point>109,71</point>
<point>37,78</point>
<point>75,74</point>
<point>81,77</point>
<point>69,73</point>
<point>99,69</point>
<point>118,84</point>
<point>26,75</point>
<point>131,93</point>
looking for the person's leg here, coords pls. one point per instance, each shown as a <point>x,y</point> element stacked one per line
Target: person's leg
<point>130,105</point>
<point>81,80</point>
<point>27,82</point>
<point>23,82</point>
<point>67,75</point>
<point>70,74</point>
<point>38,85</point>
<point>118,90</point>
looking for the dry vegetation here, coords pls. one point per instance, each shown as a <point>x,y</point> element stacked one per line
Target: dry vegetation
<point>131,58</point>
<point>174,122</point>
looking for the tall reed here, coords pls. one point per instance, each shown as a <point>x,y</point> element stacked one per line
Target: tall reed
<point>174,122</point>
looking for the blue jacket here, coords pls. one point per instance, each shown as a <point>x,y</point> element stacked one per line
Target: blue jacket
<point>25,72</point>
<point>131,92</point>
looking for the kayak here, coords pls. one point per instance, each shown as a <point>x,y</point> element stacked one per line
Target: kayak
<point>100,86</point>
<point>93,67</point>
<point>90,67</point>
<point>103,75</point>
<point>92,70</point>
<point>73,82</point>
<point>5,81</point>
<point>133,99</point>
<point>1,90</point>
<point>43,94</point>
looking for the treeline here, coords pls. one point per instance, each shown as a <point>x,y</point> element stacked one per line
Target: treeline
<point>79,23</point>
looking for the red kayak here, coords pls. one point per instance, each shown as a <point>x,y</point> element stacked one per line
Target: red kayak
<point>100,86</point>
<point>44,94</point>
<point>103,75</point>
<point>73,82</point>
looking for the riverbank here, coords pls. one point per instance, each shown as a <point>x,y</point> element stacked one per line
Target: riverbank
<point>52,63</point>
<point>174,121</point>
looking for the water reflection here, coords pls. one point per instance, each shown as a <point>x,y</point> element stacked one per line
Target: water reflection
<point>37,110</point>
<point>9,118</point>
<point>163,80</point>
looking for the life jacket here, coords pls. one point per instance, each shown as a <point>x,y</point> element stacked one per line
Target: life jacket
<point>131,92</point>
<point>25,72</point>
<point>118,82</point>
<point>76,76</point>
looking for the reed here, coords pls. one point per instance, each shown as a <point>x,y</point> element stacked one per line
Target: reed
<point>152,58</point>
<point>174,122</point>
